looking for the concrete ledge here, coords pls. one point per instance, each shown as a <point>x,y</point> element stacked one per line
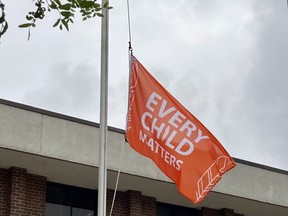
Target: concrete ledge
<point>50,135</point>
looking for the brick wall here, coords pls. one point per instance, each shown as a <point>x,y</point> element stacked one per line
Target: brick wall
<point>35,195</point>
<point>120,204</point>
<point>16,192</point>
<point>24,194</point>
<point>21,193</point>
<point>131,203</point>
<point>148,206</point>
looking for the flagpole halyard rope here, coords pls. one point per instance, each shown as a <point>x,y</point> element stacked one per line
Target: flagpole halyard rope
<point>125,140</point>
<point>118,177</point>
<point>129,27</point>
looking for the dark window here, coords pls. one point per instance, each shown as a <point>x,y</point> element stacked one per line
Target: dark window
<point>65,200</point>
<point>164,209</point>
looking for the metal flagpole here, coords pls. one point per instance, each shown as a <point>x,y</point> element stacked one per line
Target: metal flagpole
<point>102,175</point>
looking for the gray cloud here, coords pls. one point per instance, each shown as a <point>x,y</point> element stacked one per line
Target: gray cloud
<point>224,60</point>
<point>73,90</point>
<point>266,88</point>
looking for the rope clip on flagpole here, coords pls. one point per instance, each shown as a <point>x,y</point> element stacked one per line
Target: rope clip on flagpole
<point>130,48</point>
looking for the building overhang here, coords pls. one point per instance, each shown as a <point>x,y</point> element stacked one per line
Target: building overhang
<point>65,150</point>
<point>82,175</point>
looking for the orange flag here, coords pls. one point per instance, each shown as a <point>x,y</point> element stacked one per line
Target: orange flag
<point>160,128</point>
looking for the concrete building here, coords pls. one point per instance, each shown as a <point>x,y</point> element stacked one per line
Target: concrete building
<point>48,166</point>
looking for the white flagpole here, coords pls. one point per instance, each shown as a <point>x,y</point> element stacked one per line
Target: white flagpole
<point>102,175</point>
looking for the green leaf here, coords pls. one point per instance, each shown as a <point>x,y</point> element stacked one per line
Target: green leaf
<point>29,17</point>
<point>4,29</point>
<point>56,23</point>
<point>25,25</point>
<point>2,19</point>
<point>86,4</point>
<point>106,4</point>
<point>99,14</point>
<point>65,24</point>
<point>66,14</point>
<point>53,6</point>
<point>65,6</point>
<point>58,2</point>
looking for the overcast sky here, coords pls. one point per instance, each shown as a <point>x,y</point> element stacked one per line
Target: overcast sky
<point>225,61</point>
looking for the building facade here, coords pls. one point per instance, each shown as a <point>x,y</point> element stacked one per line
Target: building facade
<point>49,166</point>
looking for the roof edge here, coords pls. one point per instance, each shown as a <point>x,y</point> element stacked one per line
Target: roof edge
<point>114,129</point>
<point>56,115</point>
